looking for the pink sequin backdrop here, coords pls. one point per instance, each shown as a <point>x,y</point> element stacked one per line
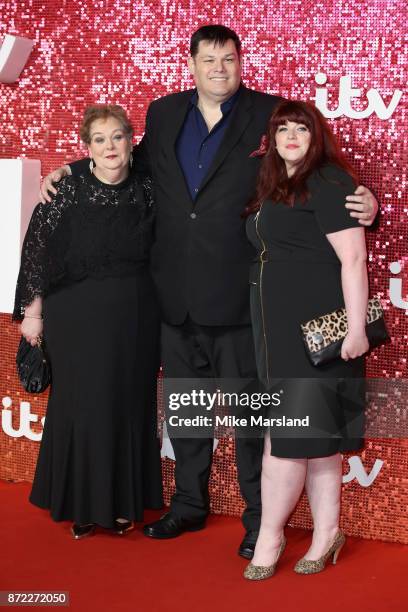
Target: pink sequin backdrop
<point>131,52</point>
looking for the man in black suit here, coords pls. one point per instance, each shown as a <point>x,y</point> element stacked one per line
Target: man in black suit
<point>198,146</point>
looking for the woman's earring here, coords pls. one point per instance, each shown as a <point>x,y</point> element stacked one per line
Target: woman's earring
<point>91,165</point>
<point>131,160</point>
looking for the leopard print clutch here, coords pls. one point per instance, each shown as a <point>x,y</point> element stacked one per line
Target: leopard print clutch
<point>323,336</point>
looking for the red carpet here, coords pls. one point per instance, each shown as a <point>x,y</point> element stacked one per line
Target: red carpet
<point>198,571</point>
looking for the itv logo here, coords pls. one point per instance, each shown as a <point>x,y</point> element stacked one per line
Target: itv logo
<point>14,54</point>
<point>375,102</point>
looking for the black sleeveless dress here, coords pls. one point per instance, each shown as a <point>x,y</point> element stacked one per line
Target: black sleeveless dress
<point>298,277</point>
<point>87,254</point>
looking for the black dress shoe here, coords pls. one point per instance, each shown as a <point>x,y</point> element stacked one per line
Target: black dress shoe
<point>171,526</point>
<point>121,527</point>
<point>247,546</point>
<point>81,531</point>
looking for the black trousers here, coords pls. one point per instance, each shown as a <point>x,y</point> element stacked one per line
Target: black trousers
<point>195,351</point>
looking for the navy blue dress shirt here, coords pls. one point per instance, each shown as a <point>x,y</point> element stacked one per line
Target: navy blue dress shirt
<point>196,146</point>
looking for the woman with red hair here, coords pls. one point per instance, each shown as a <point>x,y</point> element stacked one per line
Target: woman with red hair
<point>311,261</point>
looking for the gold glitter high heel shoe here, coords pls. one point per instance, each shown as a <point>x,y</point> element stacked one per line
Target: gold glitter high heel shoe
<point>260,572</point>
<point>307,566</point>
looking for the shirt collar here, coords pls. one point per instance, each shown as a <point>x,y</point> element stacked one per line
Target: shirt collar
<point>226,106</point>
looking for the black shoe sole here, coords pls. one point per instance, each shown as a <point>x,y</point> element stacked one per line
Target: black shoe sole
<point>246,554</point>
<point>118,531</point>
<point>168,536</point>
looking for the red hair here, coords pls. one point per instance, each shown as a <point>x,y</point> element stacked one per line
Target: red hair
<point>273,182</point>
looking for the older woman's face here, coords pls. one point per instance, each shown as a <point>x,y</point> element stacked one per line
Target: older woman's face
<point>110,147</point>
<point>292,142</point>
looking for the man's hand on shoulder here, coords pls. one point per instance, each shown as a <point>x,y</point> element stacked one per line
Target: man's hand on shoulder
<point>47,184</point>
<point>363,205</point>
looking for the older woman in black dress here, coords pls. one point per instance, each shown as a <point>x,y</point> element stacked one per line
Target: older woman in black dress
<point>84,285</point>
<point>312,260</point>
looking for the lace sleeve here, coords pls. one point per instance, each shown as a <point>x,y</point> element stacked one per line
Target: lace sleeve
<point>33,279</point>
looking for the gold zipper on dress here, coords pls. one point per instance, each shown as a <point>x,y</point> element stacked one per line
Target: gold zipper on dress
<point>262,260</point>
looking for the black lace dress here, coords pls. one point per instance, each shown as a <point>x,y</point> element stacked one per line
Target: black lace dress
<point>87,255</point>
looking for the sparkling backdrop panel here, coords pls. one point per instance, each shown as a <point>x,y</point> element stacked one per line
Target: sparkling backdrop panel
<point>130,53</point>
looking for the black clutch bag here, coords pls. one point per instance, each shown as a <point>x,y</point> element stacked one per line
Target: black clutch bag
<point>323,336</point>
<point>33,367</point>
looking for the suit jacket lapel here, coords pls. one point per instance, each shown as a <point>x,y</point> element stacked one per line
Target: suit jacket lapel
<point>238,123</point>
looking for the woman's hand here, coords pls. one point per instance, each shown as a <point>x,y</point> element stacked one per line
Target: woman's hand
<point>31,328</point>
<point>354,345</point>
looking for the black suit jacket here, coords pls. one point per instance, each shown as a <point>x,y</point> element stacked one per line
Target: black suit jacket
<point>201,257</point>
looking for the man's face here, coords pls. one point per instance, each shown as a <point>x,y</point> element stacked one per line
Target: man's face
<point>216,70</point>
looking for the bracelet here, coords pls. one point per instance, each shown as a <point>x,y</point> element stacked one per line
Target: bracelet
<point>32,317</point>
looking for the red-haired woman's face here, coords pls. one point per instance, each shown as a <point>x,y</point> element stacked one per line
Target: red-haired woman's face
<point>292,143</point>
